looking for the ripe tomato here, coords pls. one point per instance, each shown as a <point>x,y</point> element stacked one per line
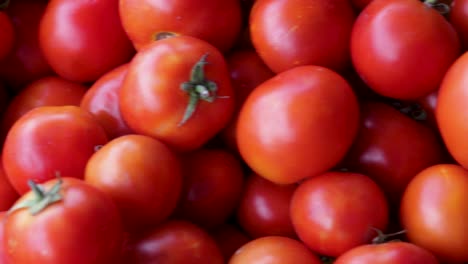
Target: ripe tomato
<point>8,195</point>
<point>274,250</point>
<point>102,100</point>
<point>264,208</point>
<point>451,114</point>
<point>428,104</point>
<point>336,211</point>
<point>229,239</point>
<point>289,33</point>
<point>387,253</point>
<point>63,221</point>
<point>212,186</point>
<point>82,40</point>
<point>402,48</point>
<point>458,17</point>
<point>50,139</point>
<point>8,35</point>
<point>297,124</point>
<point>3,257</point>
<point>217,22</point>
<point>177,90</point>
<point>434,209</point>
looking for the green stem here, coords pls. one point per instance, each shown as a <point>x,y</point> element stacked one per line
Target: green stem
<point>442,8</point>
<point>383,238</point>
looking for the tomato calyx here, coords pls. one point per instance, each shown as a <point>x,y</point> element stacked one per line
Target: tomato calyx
<point>42,198</point>
<point>198,88</point>
<point>442,8</point>
<point>164,35</point>
<point>4,4</point>
<point>384,238</point>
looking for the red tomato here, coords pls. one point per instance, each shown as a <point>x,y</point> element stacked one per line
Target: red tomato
<point>8,195</point>
<point>63,222</point>
<point>434,209</point>
<point>212,186</point>
<point>274,250</point>
<point>229,239</point>
<point>289,33</point>
<point>402,48</point>
<point>392,148</point>
<point>3,257</point>
<point>264,208</point>
<point>82,40</point>
<point>336,211</point>
<point>102,100</point>
<point>141,175</point>
<point>175,242</point>
<point>428,106</point>
<point>387,253</point>
<point>217,22</point>
<point>286,132</point>
<point>26,62</point>
<point>179,91</point>
<point>45,91</point>
<point>49,140</point>
<point>451,114</point>
<point>458,17</point>
<point>8,35</point>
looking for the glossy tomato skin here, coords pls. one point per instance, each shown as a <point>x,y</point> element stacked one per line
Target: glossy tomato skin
<point>337,211</point>
<point>83,227</point>
<point>82,40</point>
<point>289,33</point>
<point>458,17</point>
<point>102,100</point>
<point>286,132</point>
<point>153,103</point>
<point>49,140</point>
<point>402,49</point>
<point>387,253</point>
<point>451,112</point>
<point>8,195</point>
<point>217,22</point>
<point>8,35</point>
<point>274,250</point>
<point>433,211</point>
<point>264,208</point>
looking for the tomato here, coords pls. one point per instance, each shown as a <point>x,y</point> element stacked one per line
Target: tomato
<point>387,253</point>
<point>274,250</point>
<point>82,40</point>
<point>8,195</point>
<point>336,211</point>
<point>451,112</point>
<point>433,211</point>
<point>3,258</point>
<point>49,140</point>
<point>212,186</point>
<point>264,208</point>
<point>298,124</point>
<point>458,17</point>
<point>177,90</point>
<point>63,221</point>
<point>229,239</point>
<point>141,175</point>
<point>25,63</point>
<point>392,148</point>
<point>102,100</point>
<point>8,34</point>
<point>175,242</point>
<point>428,105</point>
<point>289,33</point>
<point>45,91</point>
<point>217,22</point>
<point>402,48</point>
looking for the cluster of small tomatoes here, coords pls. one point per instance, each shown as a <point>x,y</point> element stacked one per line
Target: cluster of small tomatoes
<point>233,131</point>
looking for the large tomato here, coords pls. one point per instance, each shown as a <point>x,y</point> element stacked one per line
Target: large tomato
<point>82,40</point>
<point>179,91</point>
<point>289,33</point>
<point>8,34</point>
<point>49,140</point>
<point>63,221</point>
<point>297,124</point>
<point>217,22</point>
<point>402,48</point>
<point>434,210</point>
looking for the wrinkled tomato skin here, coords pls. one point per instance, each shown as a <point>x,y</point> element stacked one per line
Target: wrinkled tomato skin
<point>277,132</point>
<point>458,17</point>
<point>274,250</point>
<point>217,22</point>
<point>8,35</point>
<point>337,211</point>
<point>83,227</point>
<point>402,49</point>
<point>229,239</point>
<point>387,253</point>
<point>152,102</point>
<point>289,33</point>
<point>264,208</point>
<point>82,40</point>
<point>433,211</point>
<point>102,100</point>
<point>8,195</point>
<point>49,140</point>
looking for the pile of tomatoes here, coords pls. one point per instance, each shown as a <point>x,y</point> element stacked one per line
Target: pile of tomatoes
<point>233,131</point>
